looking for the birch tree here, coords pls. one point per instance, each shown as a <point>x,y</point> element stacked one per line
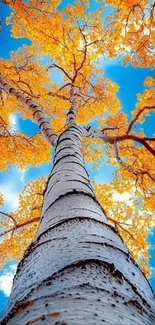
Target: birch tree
<point>83,256</point>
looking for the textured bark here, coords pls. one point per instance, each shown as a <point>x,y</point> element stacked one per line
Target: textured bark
<point>71,115</point>
<point>77,270</point>
<point>36,110</point>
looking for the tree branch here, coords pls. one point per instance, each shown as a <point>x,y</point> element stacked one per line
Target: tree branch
<point>136,117</point>
<point>71,115</point>
<point>85,51</point>
<point>36,110</point>
<point>58,95</point>
<point>9,216</point>
<point>128,232</point>
<point>54,65</point>
<point>20,226</point>
<point>94,133</point>
<point>118,224</point>
<point>137,139</point>
<point>121,162</point>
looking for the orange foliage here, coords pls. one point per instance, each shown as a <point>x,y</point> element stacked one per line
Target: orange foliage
<point>73,40</point>
<point>26,217</point>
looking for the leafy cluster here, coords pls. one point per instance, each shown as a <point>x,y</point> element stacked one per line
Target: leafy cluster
<point>70,42</point>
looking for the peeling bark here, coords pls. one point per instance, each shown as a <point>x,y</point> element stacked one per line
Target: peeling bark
<point>77,270</point>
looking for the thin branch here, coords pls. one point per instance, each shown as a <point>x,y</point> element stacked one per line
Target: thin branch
<point>85,51</point>
<point>149,139</point>
<point>28,86</point>
<point>54,65</point>
<point>112,129</point>
<point>118,222</point>
<point>12,218</point>
<point>128,232</point>
<point>66,85</point>
<point>148,174</point>
<point>20,226</point>
<point>95,133</point>
<point>121,162</point>
<point>55,94</point>
<point>9,216</point>
<point>137,139</point>
<point>58,95</point>
<point>136,117</point>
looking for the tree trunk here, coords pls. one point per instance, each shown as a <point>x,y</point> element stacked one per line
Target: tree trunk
<point>77,270</point>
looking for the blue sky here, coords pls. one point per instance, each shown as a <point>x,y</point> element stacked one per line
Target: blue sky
<point>12,181</point>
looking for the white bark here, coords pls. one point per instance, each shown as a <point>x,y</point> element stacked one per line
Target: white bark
<point>77,270</point>
<point>90,132</point>
<point>37,112</point>
<point>71,115</point>
<point>121,162</point>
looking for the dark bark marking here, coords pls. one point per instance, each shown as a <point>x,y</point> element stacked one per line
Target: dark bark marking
<point>48,129</point>
<point>76,128</point>
<point>10,90</point>
<point>18,308</point>
<point>71,111</point>
<point>51,135</point>
<point>33,244</point>
<point>41,118</point>
<point>36,245</point>
<point>88,194</point>
<point>64,139</point>
<point>35,320</point>
<point>90,262</point>
<point>69,174</point>
<point>38,110</point>
<point>70,180</point>
<point>43,123</point>
<point>14,310</point>
<point>69,136</point>
<point>78,219</point>
<point>107,245</point>
<point>55,314</point>
<point>28,100</point>
<point>65,156</point>
<point>70,162</point>
<point>59,180</point>
<point>67,147</point>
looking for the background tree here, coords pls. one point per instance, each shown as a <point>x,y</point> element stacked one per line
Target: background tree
<point>74,38</point>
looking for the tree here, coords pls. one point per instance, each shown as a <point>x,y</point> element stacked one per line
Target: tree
<point>78,269</point>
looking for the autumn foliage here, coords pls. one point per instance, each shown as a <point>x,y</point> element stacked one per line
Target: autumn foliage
<point>71,41</point>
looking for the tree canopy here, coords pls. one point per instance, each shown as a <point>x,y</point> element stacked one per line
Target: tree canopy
<point>71,40</point>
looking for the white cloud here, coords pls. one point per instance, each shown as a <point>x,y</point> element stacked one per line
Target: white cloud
<point>124,197</point>
<point>12,185</point>
<point>13,268</point>
<point>106,63</point>
<point>6,280</point>
<point>13,122</point>
<point>22,177</point>
<point>152,269</point>
<point>10,196</point>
